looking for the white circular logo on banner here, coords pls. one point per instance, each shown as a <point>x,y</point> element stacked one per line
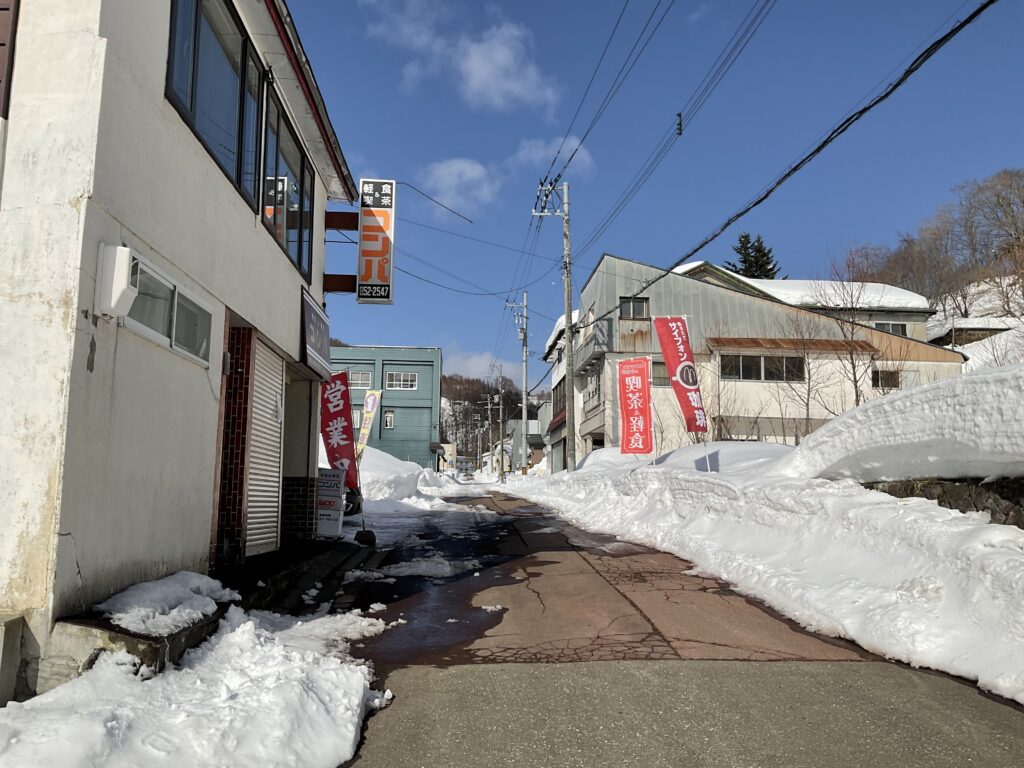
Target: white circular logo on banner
<point>686,374</point>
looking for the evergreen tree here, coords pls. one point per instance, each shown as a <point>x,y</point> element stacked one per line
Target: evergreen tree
<point>756,259</point>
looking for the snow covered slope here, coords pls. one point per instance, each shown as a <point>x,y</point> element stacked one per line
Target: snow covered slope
<point>904,578</point>
<point>971,426</point>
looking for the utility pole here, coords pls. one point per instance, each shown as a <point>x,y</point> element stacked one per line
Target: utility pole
<point>501,433</point>
<point>545,207</point>
<point>490,441</point>
<point>522,326</point>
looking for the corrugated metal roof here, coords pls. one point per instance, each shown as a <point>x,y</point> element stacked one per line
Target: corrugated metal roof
<point>823,345</point>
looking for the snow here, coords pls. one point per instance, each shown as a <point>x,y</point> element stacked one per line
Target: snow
<point>610,458</point>
<point>970,426</point>
<point>815,293</point>
<point>904,578</point>
<point>558,328</point>
<point>907,579</point>
<point>434,566</point>
<point>1001,349</point>
<point>264,690</point>
<point>164,606</point>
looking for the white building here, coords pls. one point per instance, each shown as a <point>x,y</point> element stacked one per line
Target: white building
<point>769,370</point>
<point>165,170</point>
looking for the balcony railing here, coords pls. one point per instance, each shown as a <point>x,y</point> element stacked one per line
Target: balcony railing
<point>596,342</point>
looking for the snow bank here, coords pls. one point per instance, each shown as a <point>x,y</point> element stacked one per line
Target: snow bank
<point>382,476</point>
<point>610,458</point>
<point>904,578</point>
<point>264,690</point>
<point>970,426</point>
<point>723,456</point>
<point>166,605</point>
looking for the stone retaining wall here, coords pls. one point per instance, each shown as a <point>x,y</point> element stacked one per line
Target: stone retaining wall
<point>1002,498</point>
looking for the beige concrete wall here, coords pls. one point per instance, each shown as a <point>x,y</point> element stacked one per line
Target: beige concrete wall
<point>48,178</point>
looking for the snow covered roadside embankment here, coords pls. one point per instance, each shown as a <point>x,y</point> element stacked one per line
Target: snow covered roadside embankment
<point>162,607</point>
<point>264,690</point>
<point>970,426</point>
<point>906,578</point>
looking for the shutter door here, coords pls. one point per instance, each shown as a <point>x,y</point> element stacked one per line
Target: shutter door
<point>266,432</point>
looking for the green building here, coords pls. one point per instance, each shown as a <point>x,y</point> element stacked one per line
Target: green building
<point>408,424</point>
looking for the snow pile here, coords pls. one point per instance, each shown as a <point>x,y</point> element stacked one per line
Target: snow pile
<point>1005,348</point>
<point>264,690</point>
<point>904,578</point>
<point>435,566</point>
<point>166,605</point>
<point>382,476</point>
<point>724,457</point>
<point>970,426</point>
<point>610,458</point>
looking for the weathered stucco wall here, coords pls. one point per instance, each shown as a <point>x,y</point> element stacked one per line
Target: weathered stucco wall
<point>47,180</point>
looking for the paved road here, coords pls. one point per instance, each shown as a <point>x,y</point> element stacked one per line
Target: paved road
<point>595,652</point>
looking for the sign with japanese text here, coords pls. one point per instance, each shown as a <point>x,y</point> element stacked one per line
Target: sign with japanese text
<point>371,404</point>
<point>635,405</point>
<point>316,335</point>
<point>330,502</point>
<point>674,338</point>
<point>376,241</point>
<point>336,427</point>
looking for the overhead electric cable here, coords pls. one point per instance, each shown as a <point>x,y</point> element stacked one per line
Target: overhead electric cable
<point>842,127</point>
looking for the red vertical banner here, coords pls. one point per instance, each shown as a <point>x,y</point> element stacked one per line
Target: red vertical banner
<point>336,427</point>
<point>674,338</point>
<point>635,405</point>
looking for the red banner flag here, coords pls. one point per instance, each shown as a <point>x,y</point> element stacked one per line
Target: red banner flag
<point>635,405</point>
<point>336,427</point>
<point>679,362</point>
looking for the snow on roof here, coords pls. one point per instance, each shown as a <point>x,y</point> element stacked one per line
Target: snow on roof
<point>839,293</point>
<point>557,331</point>
<point>824,293</point>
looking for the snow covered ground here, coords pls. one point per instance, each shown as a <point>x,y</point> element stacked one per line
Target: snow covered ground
<point>265,690</point>
<point>904,578</point>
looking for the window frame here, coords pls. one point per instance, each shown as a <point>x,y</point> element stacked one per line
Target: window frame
<point>283,120</point>
<point>632,302</point>
<point>876,379</point>
<point>888,327</point>
<point>762,367</point>
<point>659,381</point>
<point>151,334</point>
<point>390,412</point>
<point>353,385</point>
<point>415,381</point>
<point>187,113</point>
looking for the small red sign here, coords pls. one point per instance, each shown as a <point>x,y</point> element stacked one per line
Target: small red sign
<point>635,405</point>
<point>336,427</point>
<point>674,338</point>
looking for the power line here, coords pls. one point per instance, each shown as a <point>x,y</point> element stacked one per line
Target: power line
<point>841,128</point>
<point>473,239</point>
<point>586,91</point>
<point>433,200</point>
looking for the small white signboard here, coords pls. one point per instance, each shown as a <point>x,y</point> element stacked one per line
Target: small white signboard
<point>330,502</point>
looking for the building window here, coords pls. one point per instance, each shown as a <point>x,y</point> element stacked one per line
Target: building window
<point>360,379</point>
<point>900,329</point>
<point>163,313</point>
<point>634,309</point>
<point>288,195</point>
<point>389,419</point>
<point>761,368</point>
<point>659,375</point>
<point>357,419</point>
<point>214,80</point>
<point>401,380</point>
<point>885,379</point>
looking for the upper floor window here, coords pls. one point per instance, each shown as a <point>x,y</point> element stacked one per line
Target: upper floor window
<point>900,329</point>
<point>634,308</point>
<point>360,379</point>
<point>389,419</point>
<point>163,313</point>
<point>288,191</point>
<point>401,380</point>
<point>215,80</point>
<point>659,375</point>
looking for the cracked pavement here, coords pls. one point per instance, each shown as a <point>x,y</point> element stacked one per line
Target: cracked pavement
<point>588,624</point>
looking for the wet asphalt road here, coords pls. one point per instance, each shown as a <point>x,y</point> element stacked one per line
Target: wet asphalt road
<point>552,646</point>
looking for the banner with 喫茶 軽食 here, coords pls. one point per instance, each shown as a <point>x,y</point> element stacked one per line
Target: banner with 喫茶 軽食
<point>635,405</point>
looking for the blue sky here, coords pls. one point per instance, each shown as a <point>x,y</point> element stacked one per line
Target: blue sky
<point>468,100</point>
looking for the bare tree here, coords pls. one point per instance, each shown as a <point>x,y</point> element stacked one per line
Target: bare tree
<point>805,331</point>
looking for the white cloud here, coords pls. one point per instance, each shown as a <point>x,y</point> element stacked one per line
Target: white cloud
<point>462,183</point>
<point>493,70</point>
<point>697,14</point>
<point>476,364</point>
<point>496,72</point>
<point>534,153</point>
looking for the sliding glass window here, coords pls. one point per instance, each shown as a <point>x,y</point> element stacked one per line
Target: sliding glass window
<point>288,188</point>
<point>213,79</point>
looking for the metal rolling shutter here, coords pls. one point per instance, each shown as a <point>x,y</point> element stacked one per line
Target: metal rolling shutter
<point>266,432</point>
